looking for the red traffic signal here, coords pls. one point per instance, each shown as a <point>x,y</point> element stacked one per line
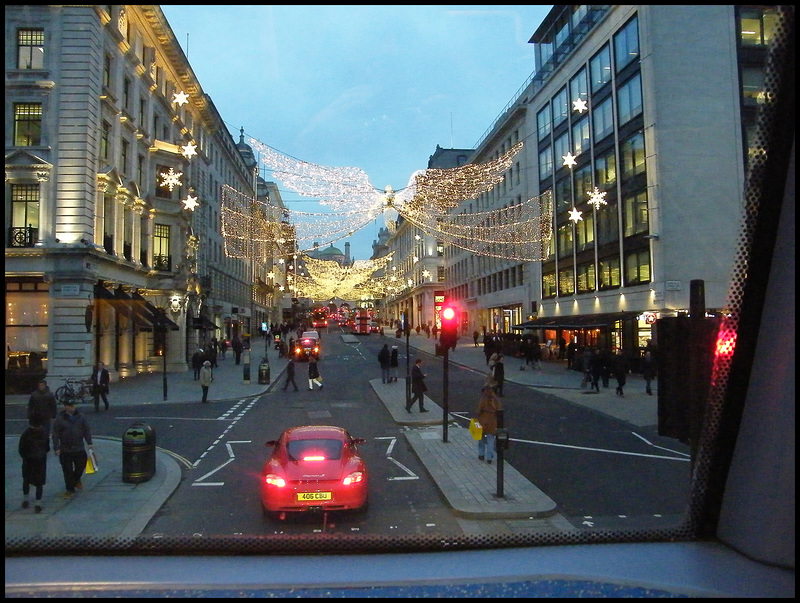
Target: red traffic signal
<point>449,336</point>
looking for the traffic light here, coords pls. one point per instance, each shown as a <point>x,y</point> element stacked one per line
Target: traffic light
<point>449,336</point>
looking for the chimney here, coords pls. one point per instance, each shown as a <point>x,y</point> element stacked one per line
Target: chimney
<point>347,253</point>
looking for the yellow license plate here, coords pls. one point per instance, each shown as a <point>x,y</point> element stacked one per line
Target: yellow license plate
<point>303,496</point>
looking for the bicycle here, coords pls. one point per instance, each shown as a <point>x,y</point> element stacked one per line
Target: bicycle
<point>79,390</point>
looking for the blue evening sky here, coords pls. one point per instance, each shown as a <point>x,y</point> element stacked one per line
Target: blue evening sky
<point>373,87</point>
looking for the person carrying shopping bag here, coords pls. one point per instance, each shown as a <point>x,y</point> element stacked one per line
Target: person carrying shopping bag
<point>488,407</point>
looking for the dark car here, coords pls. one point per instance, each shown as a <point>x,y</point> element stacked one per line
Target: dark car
<point>307,345</point>
<point>314,468</point>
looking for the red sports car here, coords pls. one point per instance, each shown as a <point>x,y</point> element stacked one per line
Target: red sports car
<point>314,468</point>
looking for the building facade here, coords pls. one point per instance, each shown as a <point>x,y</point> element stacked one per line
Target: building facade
<point>116,161</point>
<point>636,121</point>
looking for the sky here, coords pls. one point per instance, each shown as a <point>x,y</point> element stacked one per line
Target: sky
<point>373,87</point>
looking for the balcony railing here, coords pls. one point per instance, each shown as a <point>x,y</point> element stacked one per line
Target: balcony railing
<point>22,236</point>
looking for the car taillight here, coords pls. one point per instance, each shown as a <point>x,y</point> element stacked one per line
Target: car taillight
<point>314,457</point>
<point>274,480</point>
<point>353,478</point>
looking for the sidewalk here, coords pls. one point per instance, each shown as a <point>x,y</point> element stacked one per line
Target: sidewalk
<point>470,487</point>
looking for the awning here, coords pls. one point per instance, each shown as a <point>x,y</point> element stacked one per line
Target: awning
<point>148,312</point>
<point>582,321</point>
<point>201,322</point>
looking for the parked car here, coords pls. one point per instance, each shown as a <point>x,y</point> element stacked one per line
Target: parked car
<point>314,468</point>
<point>306,345</point>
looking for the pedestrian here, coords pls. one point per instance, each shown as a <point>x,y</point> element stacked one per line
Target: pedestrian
<point>488,407</point>
<point>313,372</point>
<point>394,363</point>
<point>488,348</point>
<point>607,365</point>
<point>418,387</point>
<point>537,355</point>
<point>621,372</point>
<point>499,374</point>
<point>206,377</point>
<point>34,444</point>
<point>100,381</point>
<point>492,360</point>
<point>475,336</point>
<point>237,349</point>
<point>648,371</point>
<point>290,374</point>
<point>223,347</point>
<point>197,363</point>
<point>42,406</point>
<point>385,359</point>
<point>594,364</point>
<point>69,432</point>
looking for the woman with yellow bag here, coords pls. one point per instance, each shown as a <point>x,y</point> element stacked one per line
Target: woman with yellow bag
<point>488,407</point>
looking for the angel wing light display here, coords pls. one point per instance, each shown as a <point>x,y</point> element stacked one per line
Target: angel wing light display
<point>430,199</point>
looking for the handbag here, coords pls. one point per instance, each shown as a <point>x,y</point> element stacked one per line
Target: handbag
<point>476,429</point>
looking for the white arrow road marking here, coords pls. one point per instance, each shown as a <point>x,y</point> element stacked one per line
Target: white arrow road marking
<point>389,449</point>
<point>199,480</point>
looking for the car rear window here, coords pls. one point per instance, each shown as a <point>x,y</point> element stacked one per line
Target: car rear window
<point>325,449</point>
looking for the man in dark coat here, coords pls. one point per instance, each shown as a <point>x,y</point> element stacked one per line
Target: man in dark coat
<point>100,381</point>
<point>385,359</point>
<point>33,448</point>
<point>69,432</point>
<point>418,387</point>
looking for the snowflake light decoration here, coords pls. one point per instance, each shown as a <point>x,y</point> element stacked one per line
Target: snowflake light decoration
<point>597,198</point>
<point>180,98</point>
<point>189,150</point>
<point>569,160</point>
<point>171,179</point>
<point>579,105</point>
<point>575,215</point>
<point>190,203</point>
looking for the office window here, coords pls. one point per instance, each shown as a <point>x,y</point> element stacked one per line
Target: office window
<point>634,214</point>
<point>578,87</point>
<point>605,171</point>
<point>580,137</point>
<point>24,215</point>
<point>637,267</point>
<point>161,256</point>
<point>609,273</point>
<point>546,163</point>
<point>600,68</point>
<point>757,26</point>
<point>583,184</point>
<point>563,193</point>
<point>123,159</point>
<point>585,277</point>
<point>566,281</point>
<point>560,107</point>
<point>626,44</point>
<point>565,240</point>
<point>560,149</point>
<point>603,119</point>
<point>632,156</point>
<point>107,71</point>
<point>27,124</point>
<point>140,171</point>
<point>30,49</point>
<point>607,224</point>
<point>629,98</point>
<point>543,123</point>
<point>549,284</point>
<point>126,94</point>
<point>584,231</point>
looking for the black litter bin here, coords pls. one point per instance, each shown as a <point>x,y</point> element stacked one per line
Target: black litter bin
<point>263,371</point>
<point>138,453</point>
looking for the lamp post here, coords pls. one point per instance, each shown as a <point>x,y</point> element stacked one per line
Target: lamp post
<point>407,331</point>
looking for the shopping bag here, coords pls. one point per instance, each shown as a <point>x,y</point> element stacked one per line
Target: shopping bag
<point>476,429</point>
<point>91,463</point>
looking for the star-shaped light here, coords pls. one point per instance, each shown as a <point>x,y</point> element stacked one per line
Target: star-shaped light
<point>575,215</point>
<point>180,98</point>
<point>579,105</point>
<point>171,179</point>
<point>569,160</point>
<point>190,203</point>
<point>596,198</point>
<point>270,274</point>
<point>426,273</point>
<point>189,150</point>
